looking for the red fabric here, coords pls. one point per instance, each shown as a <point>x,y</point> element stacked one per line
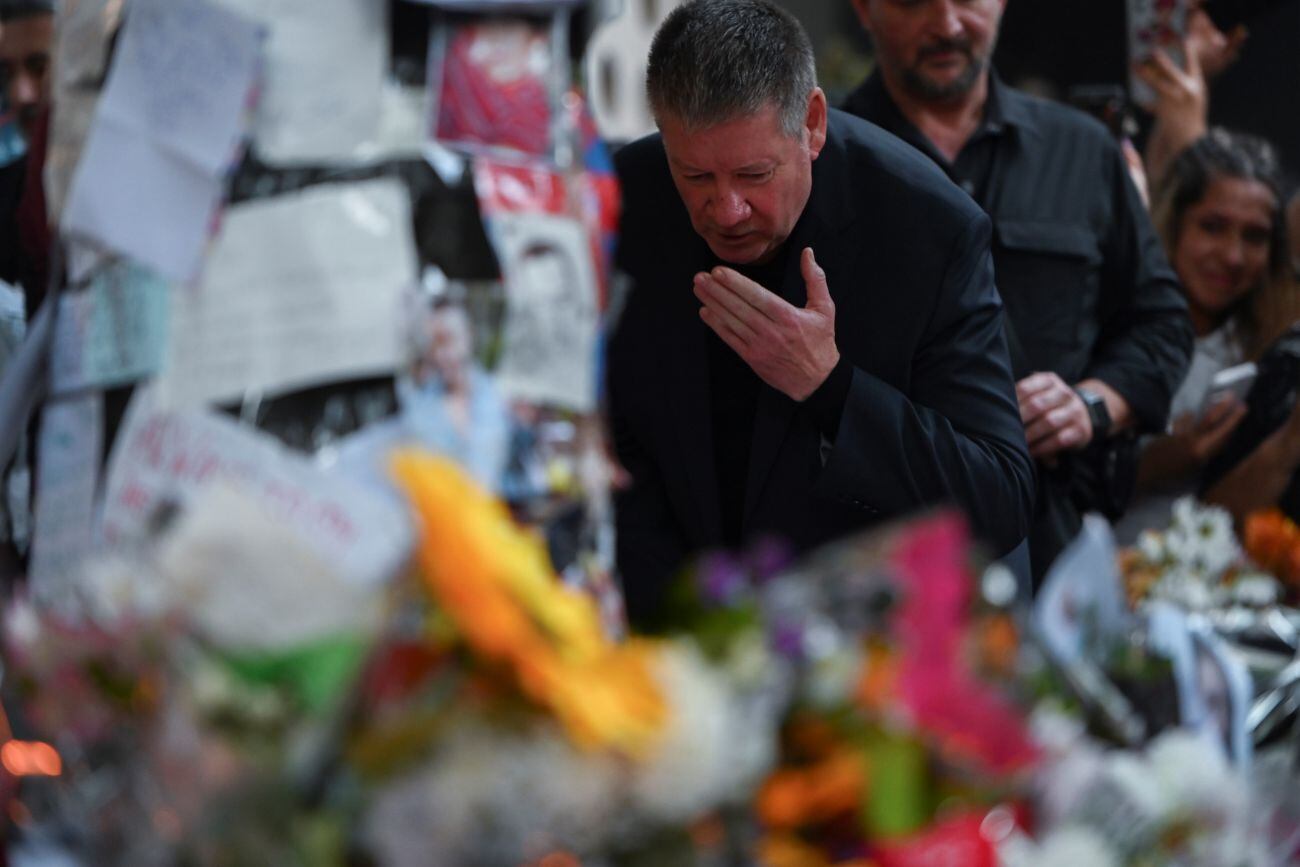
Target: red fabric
<point>33,222</point>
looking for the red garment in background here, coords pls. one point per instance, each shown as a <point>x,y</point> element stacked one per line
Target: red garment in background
<point>33,223</point>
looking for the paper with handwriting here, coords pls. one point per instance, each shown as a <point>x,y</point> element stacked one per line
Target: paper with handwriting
<point>113,332</point>
<point>326,61</point>
<point>169,122</point>
<point>70,443</point>
<point>163,458</point>
<point>300,289</point>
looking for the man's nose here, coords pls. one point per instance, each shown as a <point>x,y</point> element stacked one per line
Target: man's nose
<point>946,21</point>
<point>730,208</point>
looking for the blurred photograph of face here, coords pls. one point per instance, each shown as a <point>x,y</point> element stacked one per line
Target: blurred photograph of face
<point>25,46</point>
<point>935,50</point>
<point>1223,246</point>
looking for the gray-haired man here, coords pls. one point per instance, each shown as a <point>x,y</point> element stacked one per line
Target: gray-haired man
<point>814,342</point>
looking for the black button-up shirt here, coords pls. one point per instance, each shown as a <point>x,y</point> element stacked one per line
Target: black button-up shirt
<point>1087,288</point>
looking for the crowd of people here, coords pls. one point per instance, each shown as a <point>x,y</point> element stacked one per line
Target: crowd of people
<point>846,358</point>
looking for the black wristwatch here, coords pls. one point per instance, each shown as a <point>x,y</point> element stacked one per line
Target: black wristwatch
<point>1097,412</point>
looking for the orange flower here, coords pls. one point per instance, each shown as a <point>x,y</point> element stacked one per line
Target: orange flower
<point>878,685</point>
<point>797,797</point>
<point>1272,540</point>
<point>494,581</point>
<point>999,644</point>
<point>783,850</point>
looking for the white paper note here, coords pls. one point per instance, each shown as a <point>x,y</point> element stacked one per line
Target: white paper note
<point>68,455</point>
<point>168,123</point>
<point>166,457</point>
<point>325,66</point>
<point>549,342</point>
<point>298,290</point>
<point>112,333</point>
<point>82,28</point>
<point>1081,605</point>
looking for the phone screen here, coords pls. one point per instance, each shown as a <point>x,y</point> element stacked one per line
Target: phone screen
<point>1154,25</point>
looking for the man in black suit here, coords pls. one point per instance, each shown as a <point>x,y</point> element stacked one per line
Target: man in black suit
<point>813,342</point>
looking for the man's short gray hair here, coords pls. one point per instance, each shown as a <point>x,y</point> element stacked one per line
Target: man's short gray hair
<point>716,60</point>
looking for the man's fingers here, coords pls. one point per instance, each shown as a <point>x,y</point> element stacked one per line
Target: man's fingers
<point>1047,425</point>
<point>1063,440</point>
<point>768,303</point>
<point>1034,404</point>
<point>744,318</point>
<point>814,279</point>
<point>1035,383</point>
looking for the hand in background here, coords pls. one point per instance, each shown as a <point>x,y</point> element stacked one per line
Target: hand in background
<point>1214,49</point>
<point>1181,108</point>
<point>1200,439</point>
<point>1053,414</point>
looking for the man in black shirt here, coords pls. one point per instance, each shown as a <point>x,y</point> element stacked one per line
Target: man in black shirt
<point>1098,330</point>
<point>813,343</point>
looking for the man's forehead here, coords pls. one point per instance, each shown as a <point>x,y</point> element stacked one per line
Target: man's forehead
<point>748,139</point>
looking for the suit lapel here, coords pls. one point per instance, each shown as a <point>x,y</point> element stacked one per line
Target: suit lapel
<point>688,395</point>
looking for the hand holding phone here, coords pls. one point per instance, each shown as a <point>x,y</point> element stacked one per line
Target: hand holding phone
<point>1232,382</point>
<point>1154,25</point>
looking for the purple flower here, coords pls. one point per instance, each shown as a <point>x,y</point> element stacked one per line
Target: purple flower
<point>721,579</point>
<point>767,558</point>
<point>787,640</point>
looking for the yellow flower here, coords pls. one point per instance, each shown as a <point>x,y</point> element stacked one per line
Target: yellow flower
<point>495,581</point>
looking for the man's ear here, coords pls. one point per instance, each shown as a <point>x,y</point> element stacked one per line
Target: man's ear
<point>815,121</point>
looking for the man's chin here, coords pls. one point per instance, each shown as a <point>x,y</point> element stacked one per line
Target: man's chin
<point>945,88</point>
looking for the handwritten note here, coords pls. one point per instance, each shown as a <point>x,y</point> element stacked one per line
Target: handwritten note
<point>298,290</point>
<point>551,319</point>
<point>169,121</point>
<point>326,61</point>
<point>112,333</point>
<point>82,30</point>
<point>164,457</point>
<point>68,456</point>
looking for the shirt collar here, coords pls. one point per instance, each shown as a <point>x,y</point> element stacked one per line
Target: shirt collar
<point>1002,110</point>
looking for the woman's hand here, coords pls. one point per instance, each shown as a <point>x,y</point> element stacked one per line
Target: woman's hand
<point>1202,438</point>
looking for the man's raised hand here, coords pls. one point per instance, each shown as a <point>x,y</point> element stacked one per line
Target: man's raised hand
<point>791,349</point>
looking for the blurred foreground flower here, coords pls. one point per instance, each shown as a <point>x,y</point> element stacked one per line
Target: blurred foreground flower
<point>495,582</point>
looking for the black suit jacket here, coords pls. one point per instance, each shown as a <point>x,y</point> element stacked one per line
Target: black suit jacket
<point>931,415</point>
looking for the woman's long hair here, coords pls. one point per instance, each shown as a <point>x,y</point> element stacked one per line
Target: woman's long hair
<point>1274,304</point>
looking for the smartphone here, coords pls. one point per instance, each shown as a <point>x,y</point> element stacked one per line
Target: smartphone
<point>1154,25</point>
<point>1235,381</point>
